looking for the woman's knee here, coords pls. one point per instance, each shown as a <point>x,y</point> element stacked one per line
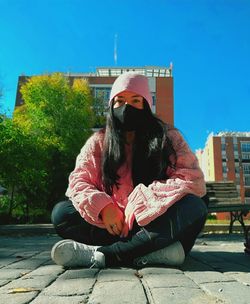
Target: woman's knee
<point>60,212</point>
<point>68,223</point>
<point>195,204</point>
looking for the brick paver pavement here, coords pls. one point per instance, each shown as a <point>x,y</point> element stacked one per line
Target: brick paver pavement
<point>217,271</point>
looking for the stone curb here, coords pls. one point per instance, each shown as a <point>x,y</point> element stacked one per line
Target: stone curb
<point>41,229</point>
<point>29,229</point>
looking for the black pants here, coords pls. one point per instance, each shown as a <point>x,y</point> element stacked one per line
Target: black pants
<point>181,222</point>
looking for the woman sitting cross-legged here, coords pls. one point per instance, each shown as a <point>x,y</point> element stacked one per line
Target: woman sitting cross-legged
<point>135,193</point>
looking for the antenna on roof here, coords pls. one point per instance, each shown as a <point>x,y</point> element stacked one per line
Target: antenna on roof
<point>115,49</point>
<point>171,68</point>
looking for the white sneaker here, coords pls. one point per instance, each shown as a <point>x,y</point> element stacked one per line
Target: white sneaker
<point>172,255</point>
<point>73,254</point>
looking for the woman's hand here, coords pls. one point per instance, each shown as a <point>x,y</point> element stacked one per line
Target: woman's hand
<point>128,223</point>
<point>129,217</point>
<point>113,219</point>
<point>125,230</point>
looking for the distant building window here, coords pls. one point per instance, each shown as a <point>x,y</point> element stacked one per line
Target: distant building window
<point>224,168</point>
<point>237,169</point>
<point>247,193</point>
<point>235,147</point>
<point>246,168</point>
<point>102,93</point>
<point>247,180</point>
<point>153,98</point>
<point>223,147</point>
<point>245,147</point>
<point>245,156</point>
<point>223,154</point>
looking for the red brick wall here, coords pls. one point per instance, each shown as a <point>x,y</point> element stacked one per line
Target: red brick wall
<point>217,159</point>
<point>164,99</point>
<point>101,80</point>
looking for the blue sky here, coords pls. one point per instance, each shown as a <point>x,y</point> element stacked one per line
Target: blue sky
<point>207,41</point>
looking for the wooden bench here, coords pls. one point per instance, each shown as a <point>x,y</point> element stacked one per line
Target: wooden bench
<point>224,197</point>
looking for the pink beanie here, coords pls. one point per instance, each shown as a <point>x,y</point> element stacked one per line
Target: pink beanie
<point>132,82</point>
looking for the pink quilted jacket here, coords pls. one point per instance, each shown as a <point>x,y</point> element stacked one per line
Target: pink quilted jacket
<point>141,203</point>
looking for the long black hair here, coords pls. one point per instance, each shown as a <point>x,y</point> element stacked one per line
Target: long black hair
<point>151,150</point>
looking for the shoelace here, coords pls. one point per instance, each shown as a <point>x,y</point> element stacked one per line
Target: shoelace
<point>141,262</point>
<point>94,261</point>
<point>82,252</point>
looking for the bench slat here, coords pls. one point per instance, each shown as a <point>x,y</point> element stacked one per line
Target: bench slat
<point>224,197</point>
<point>228,208</point>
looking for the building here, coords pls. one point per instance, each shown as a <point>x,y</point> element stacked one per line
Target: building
<point>226,157</point>
<point>160,84</point>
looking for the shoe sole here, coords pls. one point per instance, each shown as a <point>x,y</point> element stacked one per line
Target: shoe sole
<point>163,256</point>
<point>55,256</point>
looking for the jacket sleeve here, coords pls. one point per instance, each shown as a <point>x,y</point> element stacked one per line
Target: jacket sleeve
<point>84,188</point>
<point>147,203</point>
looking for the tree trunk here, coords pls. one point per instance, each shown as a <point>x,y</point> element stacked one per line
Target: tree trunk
<point>27,213</point>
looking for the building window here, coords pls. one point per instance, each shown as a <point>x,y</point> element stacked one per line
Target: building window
<point>224,168</point>
<point>223,147</point>
<point>237,169</point>
<point>235,147</point>
<point>247,180</point>
<point>102,93</point>
<point>245,147</point>
<point>223,153</point>
<point>153,98</point>
<point>246,169</point>
<point>245,156</point>
<point>247,193</point>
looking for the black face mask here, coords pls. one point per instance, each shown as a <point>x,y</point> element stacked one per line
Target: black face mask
<point>130,118</point>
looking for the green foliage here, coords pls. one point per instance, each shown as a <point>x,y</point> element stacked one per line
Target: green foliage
<point>100,109</point>
<point>211,216</point>
<point>21,167</point>
<point>4,207</point>
<point>40,144</point>
<point>1,100</point>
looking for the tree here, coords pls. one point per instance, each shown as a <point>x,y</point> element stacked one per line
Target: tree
<point>100,110</point>
<point>1,97</point>
<point>60,118</point>
<point>21,170</point>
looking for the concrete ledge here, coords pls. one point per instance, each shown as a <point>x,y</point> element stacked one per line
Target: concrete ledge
<point>222,228</point>
<point>41,229</point>
<point>29,229</point>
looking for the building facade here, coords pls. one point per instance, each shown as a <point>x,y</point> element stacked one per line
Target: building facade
<point>226,157</point>
<point>160,84</point>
